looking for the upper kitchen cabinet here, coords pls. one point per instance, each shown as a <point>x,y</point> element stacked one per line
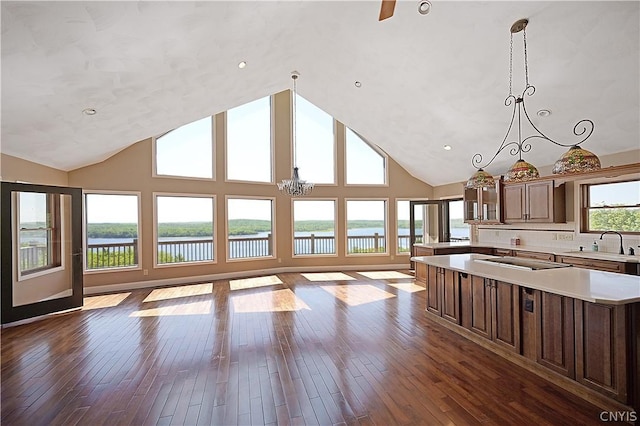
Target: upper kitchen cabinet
<point>482,205</point>
<point>538,201</point>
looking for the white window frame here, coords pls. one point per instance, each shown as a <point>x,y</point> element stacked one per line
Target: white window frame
<point>386,226</point>
<point>154,151</point>
<point>274,244</point>
<point>335,229</point>
<point>214,247</point>
<point>137,267</point>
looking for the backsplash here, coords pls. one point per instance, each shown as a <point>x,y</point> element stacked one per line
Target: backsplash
<point>558,238</point>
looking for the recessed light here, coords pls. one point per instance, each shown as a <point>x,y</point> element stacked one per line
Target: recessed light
<point>424,7</point>
<point>543,113</point>
<point>242,64</point>
<point>89,111</point>
<point>447,147</point>
<point>357,84</point>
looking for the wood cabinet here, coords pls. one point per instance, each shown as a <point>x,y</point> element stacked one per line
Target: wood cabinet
<point>601,348</point>
<point>482,205</point>
<point>555,332</point>
<point>443,293</point>
<point>539,201</point>
<point>421,272</point>
<point>599,265</point>
<point>491,309</point>
<point>534,255</point>
<point>502,252</point>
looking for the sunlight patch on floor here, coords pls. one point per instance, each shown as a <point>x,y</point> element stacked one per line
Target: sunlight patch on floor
<point>254,282</point>
<point>357,294</point>
<point>180,291</point>
<point>195,308</point>
<point>328,276</point>
<point>385,275</point>
<point>104,301</point>
<point>407,287</point>
<point>268,301</point>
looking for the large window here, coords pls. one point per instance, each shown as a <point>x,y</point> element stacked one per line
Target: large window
<point>39,232</point>
<point>366,226</point>
<point>458,229</point>
<point>364,164</point>
<point>184,229</point>
<point>112,230</point>
<point>315,143</point>
<point>186,151</point>
<point>249,142</point>
<point>314,226</point>
<point>404,227</point>
<point>249,228</point>
<point>611,207</point>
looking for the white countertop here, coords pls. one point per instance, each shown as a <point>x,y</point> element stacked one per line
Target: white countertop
<point>584,284</point>
<point>553,250</point>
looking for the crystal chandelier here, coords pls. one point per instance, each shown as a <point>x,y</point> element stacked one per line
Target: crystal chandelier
<point>574,161</point>
<point>294,187</point>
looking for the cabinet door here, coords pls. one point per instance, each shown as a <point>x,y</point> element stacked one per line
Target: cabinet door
<point>433,289</point>
<point>490,205</point>
<point>451,296</point>
<point>599,265</point>
<point>421,272</point>
<point>506,314</point>
<point>479,301</point>
<point>555,332</point>
<point>514,203</point>
<point>471,205</point>
<point>539,202</point>
<point>535,255</point>
<point>601,361</point>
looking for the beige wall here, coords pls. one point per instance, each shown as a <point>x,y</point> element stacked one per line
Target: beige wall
<point>13,169</point>
<point>131,170</point>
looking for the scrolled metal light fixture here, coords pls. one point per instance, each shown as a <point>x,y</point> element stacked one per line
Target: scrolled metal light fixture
<point>294,187</point>
<point>575,160</point>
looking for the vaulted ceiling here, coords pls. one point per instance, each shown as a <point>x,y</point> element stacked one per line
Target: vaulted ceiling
<point>427,80</point>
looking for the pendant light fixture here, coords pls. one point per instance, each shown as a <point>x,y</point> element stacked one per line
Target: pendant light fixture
<point>575,160</point>
<point>294,187</point>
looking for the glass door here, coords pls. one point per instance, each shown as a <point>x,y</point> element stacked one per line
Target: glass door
<point>41,247</point>
<point>428,222</point>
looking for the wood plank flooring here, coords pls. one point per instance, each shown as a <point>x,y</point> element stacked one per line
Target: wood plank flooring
<point>290,349</point>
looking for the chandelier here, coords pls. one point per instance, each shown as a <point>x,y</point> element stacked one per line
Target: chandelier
<point>574,161</point>
<point>294,187</point>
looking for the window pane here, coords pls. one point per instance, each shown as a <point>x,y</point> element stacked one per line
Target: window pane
<point>249,228</point>
<point>249,142</point>
<point>457,227</point>
<point>184,229</point>
<point>314,143</point>
<point>364,164</point>
<point>39,231</point>
<point>366,224</point>
<point>623,219</point>
<point>615,194</point>
<point>403,226</point>
<point>314,227</point>
<point>112,231</point>
<point>186,151</point>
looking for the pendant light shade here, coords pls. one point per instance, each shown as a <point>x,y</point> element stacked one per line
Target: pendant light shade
<point>521,171</point>
<point>480,179</point>
<point>576,160</point>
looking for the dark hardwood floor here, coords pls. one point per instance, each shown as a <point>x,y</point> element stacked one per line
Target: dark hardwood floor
<point>314,349</point>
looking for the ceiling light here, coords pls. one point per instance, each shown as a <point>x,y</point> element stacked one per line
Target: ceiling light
<point>522,170</point>
<point>242,64</point>
<point>294,187</point>
<point>447,147</point>
<point>89,111</point>
<point>543,113</point>
<point>357,84</point>
<point>424,7</point>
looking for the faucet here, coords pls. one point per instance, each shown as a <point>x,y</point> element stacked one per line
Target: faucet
<point>621,251</point>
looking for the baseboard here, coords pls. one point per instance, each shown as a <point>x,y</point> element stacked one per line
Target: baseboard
<point>134,285</point>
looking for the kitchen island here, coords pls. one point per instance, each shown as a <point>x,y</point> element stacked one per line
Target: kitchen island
<point>578,328</point>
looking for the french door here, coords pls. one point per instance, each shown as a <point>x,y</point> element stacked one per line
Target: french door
<point>41,250</point>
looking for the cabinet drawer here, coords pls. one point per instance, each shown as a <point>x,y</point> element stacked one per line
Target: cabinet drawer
<point>535,255</point>
<point>599,265</point>
<point>502,252</point>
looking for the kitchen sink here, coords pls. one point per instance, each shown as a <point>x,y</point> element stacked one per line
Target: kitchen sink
<point>518,262</point>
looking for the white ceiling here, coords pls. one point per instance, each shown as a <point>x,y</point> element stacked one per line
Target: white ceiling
<point>427,81</point>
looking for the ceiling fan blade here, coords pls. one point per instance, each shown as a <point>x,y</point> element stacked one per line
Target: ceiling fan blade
<point>386,10</point>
